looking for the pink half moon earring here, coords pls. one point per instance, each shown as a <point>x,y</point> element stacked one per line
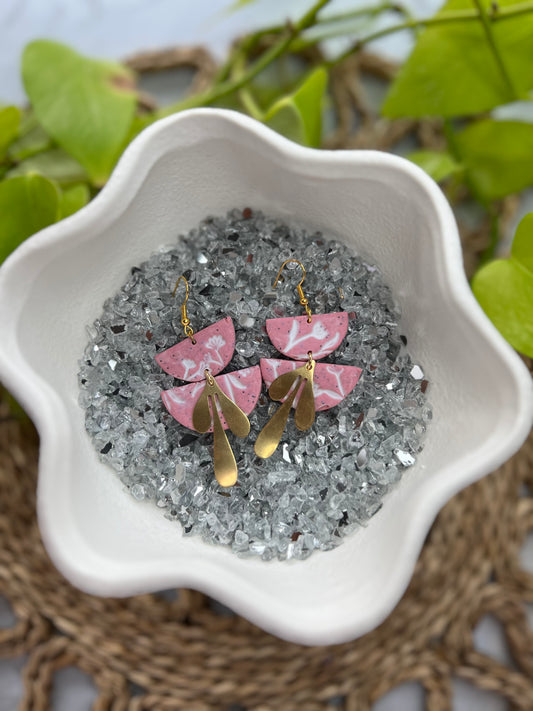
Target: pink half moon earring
<point>301,383</point>
<point>210,402</point>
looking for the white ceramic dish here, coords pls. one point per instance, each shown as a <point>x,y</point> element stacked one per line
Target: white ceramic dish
<point>174,174</point>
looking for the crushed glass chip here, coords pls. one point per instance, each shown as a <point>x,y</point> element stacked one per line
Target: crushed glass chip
<point>417,373</point>
<point>362,457</point>
<point>138,491</point>
<point>320,485</point>
<point>405,459</point>
<point>246,321</point>
<point>245,349</point>
<point>286,453</point>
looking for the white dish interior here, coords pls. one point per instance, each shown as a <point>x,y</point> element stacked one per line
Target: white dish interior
<point>205,162</point>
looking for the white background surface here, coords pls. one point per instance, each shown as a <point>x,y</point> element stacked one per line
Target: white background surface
<point>115,29</point>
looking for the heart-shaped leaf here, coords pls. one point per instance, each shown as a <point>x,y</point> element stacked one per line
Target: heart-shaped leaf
<point>299,115</point>
<point>436,164</point>
<point>27,204</point>
<point>87,106</point>
<point>9,127</point>
<point>498,156</point>
<point>73,199</point>
<point>56,164</point>
<point>32,139</point>
<point>452,70</point>
<point>504,288</point>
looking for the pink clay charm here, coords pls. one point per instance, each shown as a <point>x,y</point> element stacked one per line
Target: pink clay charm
<point>295,336</point>
<point>301,383</point>
<point>212,351</point>
<point>208,403</point>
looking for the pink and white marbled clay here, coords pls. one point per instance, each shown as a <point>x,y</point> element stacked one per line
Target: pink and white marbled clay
<point>331,383</point>
<point>295,337</point>
<point>213,350</point>
<point>241,386</point>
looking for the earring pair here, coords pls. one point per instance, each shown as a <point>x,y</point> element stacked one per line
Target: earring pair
<point>211,402</point>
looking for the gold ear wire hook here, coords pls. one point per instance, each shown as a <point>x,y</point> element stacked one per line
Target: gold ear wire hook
<point>185,320</point>
<point>303,300</point>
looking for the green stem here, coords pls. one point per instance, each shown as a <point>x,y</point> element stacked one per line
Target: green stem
<point>228,87</point>
<point>336,28</point>
<point>449,135</point>
<point>486,21</point>
<point>245,95</point>
<point>225,70</point>
<point>248,42</point>
<point>490,250</point>
<point>250,104</point>
<point>219,91</point>
<point>361,12</point>
<point>325,28</point>
<point>498,15</point>
<point>453,148</point>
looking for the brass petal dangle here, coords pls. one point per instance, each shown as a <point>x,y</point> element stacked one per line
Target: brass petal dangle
<point>206,414</point>
<point>306,386</point>
<point>282,390</point>
<point>210,402</point>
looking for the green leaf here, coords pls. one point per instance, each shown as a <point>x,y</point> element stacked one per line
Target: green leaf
<point>14,408</point>
<point>522,249</point>
<point>438,165</point>
<point>504,288</point>
<point>498,156</point>
<point>299,115</point>
<point>9,127</point>
<point>73,199</point>
<point>87,106</point>
<point>32,139</point>
<point>27,204</point>
<point>55,164</point>
<point>139,123</point>
<point>283,77</point>
<point>453,72</point>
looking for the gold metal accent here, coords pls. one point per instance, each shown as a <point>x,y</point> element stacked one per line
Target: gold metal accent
<point>206,413</point>
<point>185,320</point>
<point>223,458</point>
<point>287,386</point>
<point>303,299</point>
<point>305,410</point>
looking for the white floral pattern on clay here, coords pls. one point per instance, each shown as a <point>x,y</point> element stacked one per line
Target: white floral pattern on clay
<point>212,351</point>
<point>294,336</point>
<point>241,386</point>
